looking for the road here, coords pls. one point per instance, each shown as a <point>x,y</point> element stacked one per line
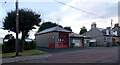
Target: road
<point>87,55</point>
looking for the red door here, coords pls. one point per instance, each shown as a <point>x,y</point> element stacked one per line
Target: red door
<point>63,39</point>
<point>51,45</point>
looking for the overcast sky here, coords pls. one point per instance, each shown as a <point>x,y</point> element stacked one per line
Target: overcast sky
<point>65,15</point>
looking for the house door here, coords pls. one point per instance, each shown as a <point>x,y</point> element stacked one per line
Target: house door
<point>90,44</point>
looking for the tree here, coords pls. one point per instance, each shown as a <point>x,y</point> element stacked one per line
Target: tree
<point>83,30</point>
<point>68,28</point>
<point>27,20</point>
<point>9,36</point>
<point>47,25</point>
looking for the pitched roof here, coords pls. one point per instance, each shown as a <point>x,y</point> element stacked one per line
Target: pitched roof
<point>77,35</point>
<point>56,28</point>
<point>106,31</point>
<point>102,30</point>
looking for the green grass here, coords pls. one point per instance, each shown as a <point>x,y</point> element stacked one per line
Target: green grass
<point>25,53</point>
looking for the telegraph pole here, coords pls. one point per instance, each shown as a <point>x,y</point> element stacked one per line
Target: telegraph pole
<point>111,32</point>
<point>17,28</point>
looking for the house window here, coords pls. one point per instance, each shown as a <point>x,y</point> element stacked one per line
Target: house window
<point>77,42</point>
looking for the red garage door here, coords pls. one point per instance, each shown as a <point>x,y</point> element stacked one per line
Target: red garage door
<point>63,39</point>
<point>51,45</point>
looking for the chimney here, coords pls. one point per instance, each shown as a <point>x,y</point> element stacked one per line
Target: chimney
<point>108,27</point>
<point>93,25</point>
<point>117,25</point>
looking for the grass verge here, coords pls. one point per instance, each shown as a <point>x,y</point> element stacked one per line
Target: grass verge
<point>25,53</point>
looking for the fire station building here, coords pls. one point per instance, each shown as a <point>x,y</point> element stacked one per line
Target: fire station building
<point>57,37</point>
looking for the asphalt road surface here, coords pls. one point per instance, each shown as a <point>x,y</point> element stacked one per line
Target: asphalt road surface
<point>80,55</point>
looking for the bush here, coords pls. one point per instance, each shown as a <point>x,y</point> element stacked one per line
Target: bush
<point>30,45</point>
<point>10,46</point>
<point>108,44</point>
<point>26,46</point>
<point>118,43</point>
<point>115,44</point>
<point>33,45</point>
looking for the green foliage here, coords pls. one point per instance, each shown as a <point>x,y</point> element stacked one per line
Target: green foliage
<point>68,28</point>
<point>27,20</point>
<point>83,30</point>
<point>27,46</point>
<point>118,43</point>
<point>115,44</point>
<point>47,25</point>
<point>30,45</point>
<point>9,36</point>
<point>33,45</point>
<point>108,44</point>
<point>10,46</point>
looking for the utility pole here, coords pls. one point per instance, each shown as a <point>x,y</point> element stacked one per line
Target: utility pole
<point>17,28</point>
<point>111,32</point>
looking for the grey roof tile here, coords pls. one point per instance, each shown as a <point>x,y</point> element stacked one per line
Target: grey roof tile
<point>56,28</point>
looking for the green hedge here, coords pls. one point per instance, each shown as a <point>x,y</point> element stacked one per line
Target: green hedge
<point>10,46</point>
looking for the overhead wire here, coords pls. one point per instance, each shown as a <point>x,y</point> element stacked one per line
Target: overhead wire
<point>79,9</point>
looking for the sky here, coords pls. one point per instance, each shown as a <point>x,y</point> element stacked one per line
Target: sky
<point>50,10</point>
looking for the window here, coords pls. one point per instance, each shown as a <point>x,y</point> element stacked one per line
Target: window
<point>77,41</point>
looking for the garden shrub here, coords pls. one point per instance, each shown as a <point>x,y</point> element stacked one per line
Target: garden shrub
<point>10,46</point>
<point>118,43</point>
<point>108,44</point>
<point>33,45</point>
<point>115,44</point>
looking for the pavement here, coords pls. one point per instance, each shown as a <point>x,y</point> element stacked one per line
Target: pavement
<point>79,55</point>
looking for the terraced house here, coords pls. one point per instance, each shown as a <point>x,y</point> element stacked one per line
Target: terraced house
<point>101,36</point>
<point>116,29</point>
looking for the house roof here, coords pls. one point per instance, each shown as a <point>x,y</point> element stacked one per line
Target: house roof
<point>56,28</point>
<point>77,35</point>
<point>102,30</point>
